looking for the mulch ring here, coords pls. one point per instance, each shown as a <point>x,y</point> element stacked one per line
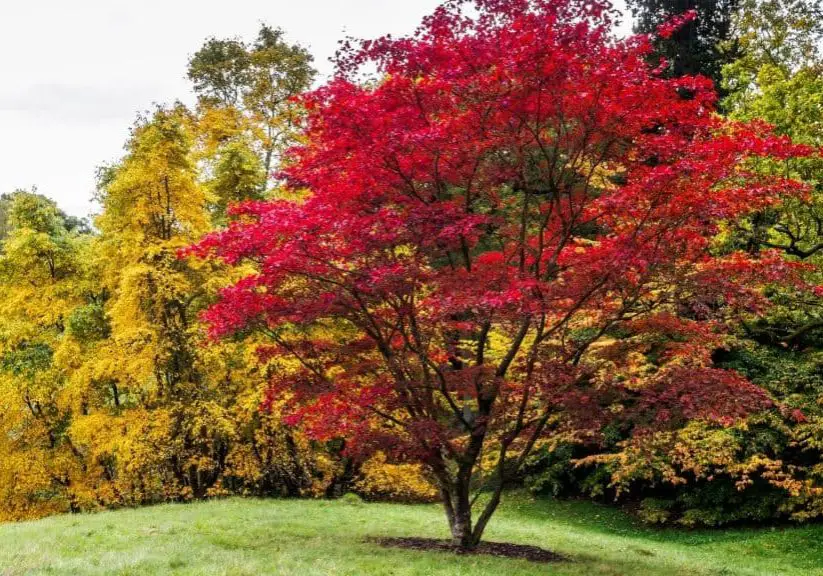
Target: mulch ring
<point>499,549</point>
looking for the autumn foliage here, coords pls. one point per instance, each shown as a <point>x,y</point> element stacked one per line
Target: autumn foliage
<point>466,235</point>
<point>508,250</point>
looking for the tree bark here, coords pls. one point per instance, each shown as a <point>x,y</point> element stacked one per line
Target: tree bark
<point>461,526</point>
<point>456,497</point>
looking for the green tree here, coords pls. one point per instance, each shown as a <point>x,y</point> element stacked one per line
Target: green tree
<point>777,40</point>
<point>700,47</point>
<point>260,81</point>
<point>779,79</point>
<point>71,223</point>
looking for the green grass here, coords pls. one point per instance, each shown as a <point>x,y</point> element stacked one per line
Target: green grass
<point>305,538</point>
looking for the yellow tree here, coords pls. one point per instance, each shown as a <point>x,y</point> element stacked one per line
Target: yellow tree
<point>184,416</point>
<point>152,207</point>
<point>41,280</point>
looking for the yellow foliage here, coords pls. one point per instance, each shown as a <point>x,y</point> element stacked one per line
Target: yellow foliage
<point>110,394</point>
<point>380,480</point>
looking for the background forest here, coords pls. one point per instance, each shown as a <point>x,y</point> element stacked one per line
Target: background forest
<point>113,393</point>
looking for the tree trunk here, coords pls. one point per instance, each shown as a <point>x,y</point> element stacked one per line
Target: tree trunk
<point>462,536</point>
<point>457,504</point>
<point>485,516</point>
<point>296,479</point>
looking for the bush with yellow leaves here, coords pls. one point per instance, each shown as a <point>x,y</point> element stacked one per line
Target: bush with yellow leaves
<point>380,480</point>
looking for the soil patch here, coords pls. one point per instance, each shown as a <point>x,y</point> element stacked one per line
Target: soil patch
<point>500,549</point>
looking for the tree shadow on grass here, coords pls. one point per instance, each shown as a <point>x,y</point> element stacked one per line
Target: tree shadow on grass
<point>498,549</point>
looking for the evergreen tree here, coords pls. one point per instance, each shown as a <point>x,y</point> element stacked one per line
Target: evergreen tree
<point>701,46</point>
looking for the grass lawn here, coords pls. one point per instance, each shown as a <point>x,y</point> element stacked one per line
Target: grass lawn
<point>305,538</point>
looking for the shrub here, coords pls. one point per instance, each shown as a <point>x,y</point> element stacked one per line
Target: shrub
<point>380,480</point>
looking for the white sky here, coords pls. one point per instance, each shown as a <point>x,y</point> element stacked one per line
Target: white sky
<point>76,73</point>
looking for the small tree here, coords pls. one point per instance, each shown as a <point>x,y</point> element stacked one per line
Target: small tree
<point>474,230</point>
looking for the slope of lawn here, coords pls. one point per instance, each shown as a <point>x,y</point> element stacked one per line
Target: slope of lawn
<point>305,538</point>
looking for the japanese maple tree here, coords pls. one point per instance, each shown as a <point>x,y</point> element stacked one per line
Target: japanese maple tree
<point>477,239</point>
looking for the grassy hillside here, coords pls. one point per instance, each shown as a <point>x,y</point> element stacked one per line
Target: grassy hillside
<point>305,538</point>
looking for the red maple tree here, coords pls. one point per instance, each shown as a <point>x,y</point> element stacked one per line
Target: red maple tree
<point>475,225</point>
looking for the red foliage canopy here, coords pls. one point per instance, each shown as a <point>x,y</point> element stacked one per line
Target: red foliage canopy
<point>477,223</point>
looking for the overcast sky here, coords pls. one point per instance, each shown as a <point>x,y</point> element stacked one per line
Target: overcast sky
<point>76,73</point>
